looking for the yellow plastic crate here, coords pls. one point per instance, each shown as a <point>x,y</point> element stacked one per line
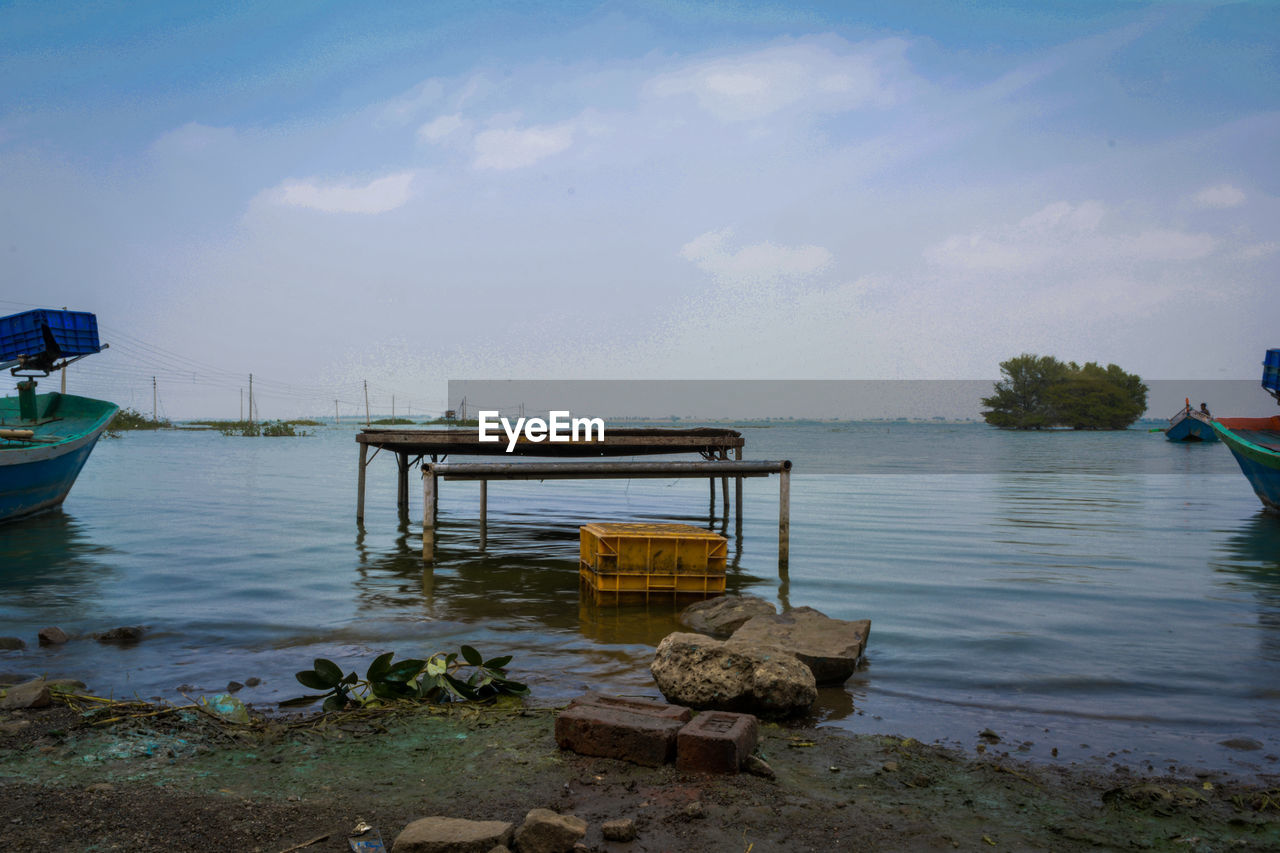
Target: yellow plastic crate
<point>640,560</point>
<point>663,549</point>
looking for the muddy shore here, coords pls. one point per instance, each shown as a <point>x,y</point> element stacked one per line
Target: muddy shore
<point>138,778</point>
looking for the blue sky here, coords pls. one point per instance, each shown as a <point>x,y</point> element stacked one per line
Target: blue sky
<point>323,194</point>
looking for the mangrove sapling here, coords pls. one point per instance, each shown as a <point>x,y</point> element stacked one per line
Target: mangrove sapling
<point>436,679</point>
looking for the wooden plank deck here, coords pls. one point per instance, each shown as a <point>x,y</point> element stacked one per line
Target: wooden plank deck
<point>712,443</point>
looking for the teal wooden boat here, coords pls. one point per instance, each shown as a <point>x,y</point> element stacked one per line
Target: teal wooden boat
<point>1255,442</point>
<point>45,439</point>
<point>41,457</point>
<point>1191,425</point>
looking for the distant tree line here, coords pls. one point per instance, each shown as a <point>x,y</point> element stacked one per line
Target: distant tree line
<point>1040,392</point>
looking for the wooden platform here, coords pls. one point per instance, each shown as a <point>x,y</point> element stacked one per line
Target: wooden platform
<point>465,441</point>
<point>720,449</point>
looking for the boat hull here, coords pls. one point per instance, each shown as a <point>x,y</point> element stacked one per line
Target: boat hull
<point>1191,426</point>
<point>1255,443</point>
<point>36,477</point>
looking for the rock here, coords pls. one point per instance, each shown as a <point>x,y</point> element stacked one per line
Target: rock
<point>831,648</point>
<point>452,835</point>
<point>544,831</point>
<point>234,686</point>
<point>12,644</point>
<point>716,742</point>
<point>253,681</point>
<point>622,829</point>
<point>52,636</point>
<point>123,634</point>
<point>702,672</point>
<point>66,685</point>
<point>99,788</point>
<point>32,694</point>
<point>724,614</point>
<point>629,730</point>
<point>1244,744</point>
<point>11,727</point>
<point>501,848</point>
<point>757,766</point>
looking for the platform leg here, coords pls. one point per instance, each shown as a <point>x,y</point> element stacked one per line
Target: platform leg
<point>364,456</point>
<point>784,518</point>
<point>737,494</point>
<point>402,483</point>
<point>484,512</point>
<point>428,513</point>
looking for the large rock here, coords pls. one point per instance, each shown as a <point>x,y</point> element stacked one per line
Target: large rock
<point>703,672</point>
<point>452,835</point>
<point>831,648</point>
<point>724,614</point>
<point>544,831</point>
<point>52,636</point>
<point>12,644</point>
<point>124,635</point>
<point>32,694</point>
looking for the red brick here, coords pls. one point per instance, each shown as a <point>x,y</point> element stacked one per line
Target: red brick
<point>609,732</point>
<point>679,713</point>
<point>716,742</point>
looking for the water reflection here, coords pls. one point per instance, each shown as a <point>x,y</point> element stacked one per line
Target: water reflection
<point>526,576</point>
<point>1251,560</point>
<point>49,559</point>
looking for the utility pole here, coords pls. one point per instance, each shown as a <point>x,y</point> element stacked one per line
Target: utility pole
<point>64,369</point>
<point>250,398</point>
<point>153,399</point>
<point>366,402</point>
<point>241,405</point>
<point>335,412</point>
<point>393,408</point>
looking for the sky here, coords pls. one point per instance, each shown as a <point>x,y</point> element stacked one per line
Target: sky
<point>329,194</point>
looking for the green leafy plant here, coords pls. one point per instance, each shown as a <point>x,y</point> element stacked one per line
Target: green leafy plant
<point>130,419</point>
<point>438,679</point>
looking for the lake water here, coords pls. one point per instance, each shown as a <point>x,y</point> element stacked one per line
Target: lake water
<point>1109,595</point>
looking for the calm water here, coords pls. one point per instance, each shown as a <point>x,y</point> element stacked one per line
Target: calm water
<point>1095,593</point>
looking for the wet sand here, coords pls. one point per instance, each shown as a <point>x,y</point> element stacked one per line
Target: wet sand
<point>181,781</point>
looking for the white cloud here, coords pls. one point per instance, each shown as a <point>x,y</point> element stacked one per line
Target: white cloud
<point>193,140</point>
<point>441,127</point>
<point>378,196</point>
<point>404,108</point>
<point>762,262</point>
<point>1064,236</point>
<point>808,74</point>
<point>514,149</point>
<point>1220,197</point>
<point>1259,250</point>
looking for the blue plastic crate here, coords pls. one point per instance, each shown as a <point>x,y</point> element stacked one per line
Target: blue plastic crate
<point>1271,371</point>
<point>68,333</point>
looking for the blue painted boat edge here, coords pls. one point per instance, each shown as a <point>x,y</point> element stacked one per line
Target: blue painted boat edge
<point>1190,426</point>
<point>1190,429</point>
<point>1261,466</point>
<point>40,480</point>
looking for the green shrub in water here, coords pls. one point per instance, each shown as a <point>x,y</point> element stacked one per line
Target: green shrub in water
<point>436,679</point>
